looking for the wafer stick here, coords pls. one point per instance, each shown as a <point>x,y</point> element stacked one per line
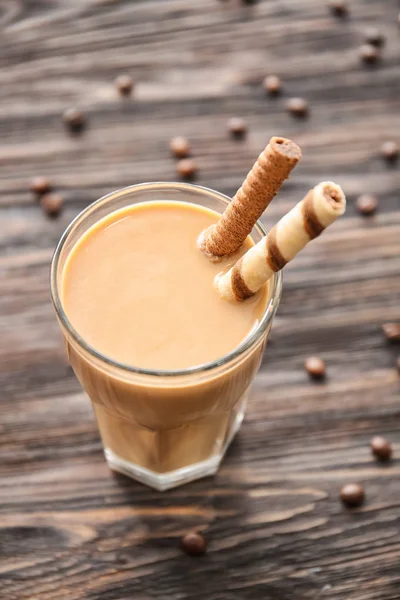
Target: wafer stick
<point>260,186</point>
<point>319,209</point>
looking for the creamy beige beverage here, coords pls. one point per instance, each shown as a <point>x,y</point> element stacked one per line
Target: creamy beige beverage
<point>137,289</point>
<point>166,306</point>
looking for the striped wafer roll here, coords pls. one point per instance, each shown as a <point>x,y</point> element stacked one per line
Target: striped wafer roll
<point>260,186</point>
<point>319,209</point>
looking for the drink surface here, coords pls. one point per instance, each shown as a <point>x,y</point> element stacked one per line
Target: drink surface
<point>138,290</point>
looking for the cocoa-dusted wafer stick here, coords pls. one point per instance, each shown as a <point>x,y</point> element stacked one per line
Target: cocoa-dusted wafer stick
<point>320,208</point>
<point>260,186</point>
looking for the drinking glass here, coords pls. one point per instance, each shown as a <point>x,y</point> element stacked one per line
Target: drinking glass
<point>162,428</point>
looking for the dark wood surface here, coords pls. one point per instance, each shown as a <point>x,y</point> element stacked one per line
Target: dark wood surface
<point>68,528</point>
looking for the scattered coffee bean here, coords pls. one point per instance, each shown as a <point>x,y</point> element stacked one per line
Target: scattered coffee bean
<point>272,85</point>
<point>374,36</point>
<point>366,204</point>
<point>74,119</point>
<point>237,127</point>
<point>124,84</point>
<point>381,448</point>
<point>186,168</point>
<point>339,8</point>
<point>390,150</point>
<point>352,494</point>
<point>40,185</point>
<point>369,53</point>
<point>180,147</point>
<point>51,204</point>
<point>391,331</point>
<point>194,544</point>
<point>315,367</point>
<point>298,107</point>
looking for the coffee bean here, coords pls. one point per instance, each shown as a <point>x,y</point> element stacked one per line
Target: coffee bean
<point>315,367</point>
<point>390,150</point>
<point>339,8</point>
<point>398,364</point>
<point>272,85</point>
<point>237,127</point>
<point>74,119</point>
<point>180,147</point>
<point>381,448</point>
<point>194,544</point>
<point>366,204</point>
<point>40,185</point>
<point>369,53</point>
<point>374,36</point>
<point>298,107</point>
<point>124,84</point>
<point>391,331</point>
<point>352,494</point>
<point>186,168</point>
<point>51,204</point>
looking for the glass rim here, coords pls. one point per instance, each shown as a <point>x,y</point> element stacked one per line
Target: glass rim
<point>252,338</point>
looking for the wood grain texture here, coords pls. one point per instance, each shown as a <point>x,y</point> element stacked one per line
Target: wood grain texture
<point>69,530</point>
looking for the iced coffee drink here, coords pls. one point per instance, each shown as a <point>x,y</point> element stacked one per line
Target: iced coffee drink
<point>163,323</point>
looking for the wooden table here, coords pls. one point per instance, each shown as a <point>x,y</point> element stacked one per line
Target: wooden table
<point>276,529</point>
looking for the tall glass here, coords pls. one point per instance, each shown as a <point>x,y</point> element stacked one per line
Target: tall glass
<point>163,428</point>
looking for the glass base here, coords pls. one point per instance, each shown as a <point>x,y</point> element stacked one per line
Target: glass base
<point>162,481</point>
<point>171,479</point>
